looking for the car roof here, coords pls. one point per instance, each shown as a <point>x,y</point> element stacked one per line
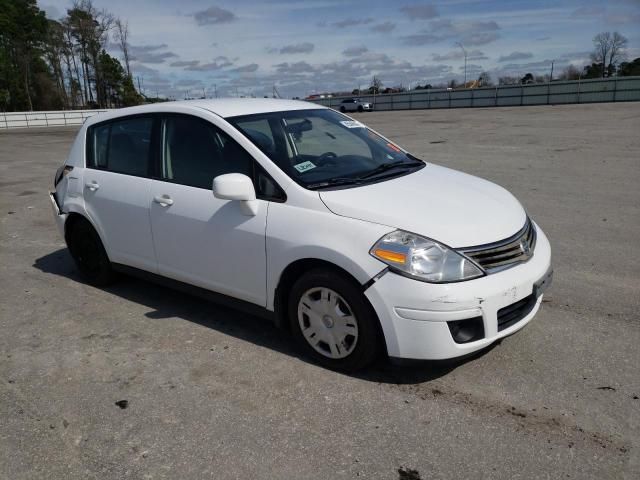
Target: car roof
<point>232,107</point>
<point>224,107</point>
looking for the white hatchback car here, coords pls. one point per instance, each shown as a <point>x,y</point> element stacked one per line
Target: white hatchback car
<point>355,105</point>
<point>300,213</point>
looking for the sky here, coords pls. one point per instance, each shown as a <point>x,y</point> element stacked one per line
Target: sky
<point>191,48</point>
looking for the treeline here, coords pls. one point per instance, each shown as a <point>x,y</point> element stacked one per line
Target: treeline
<point>607,60</point>
<point>50,65</point>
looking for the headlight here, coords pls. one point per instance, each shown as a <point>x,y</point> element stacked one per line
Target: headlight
<point>423,259</point>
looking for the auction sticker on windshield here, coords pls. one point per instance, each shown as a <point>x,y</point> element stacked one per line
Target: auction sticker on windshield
<point>352,124</point>
<point>304,166</point>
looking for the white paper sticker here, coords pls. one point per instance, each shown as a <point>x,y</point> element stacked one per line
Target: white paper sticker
<point>304,166</point>
<point>352,124</point>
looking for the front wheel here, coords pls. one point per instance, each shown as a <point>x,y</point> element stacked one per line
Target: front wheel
<point>342,109</point>
<point>332,321</point>
<point>360,108</point>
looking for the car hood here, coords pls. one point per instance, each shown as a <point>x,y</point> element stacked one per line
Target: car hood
<point>451,207</point>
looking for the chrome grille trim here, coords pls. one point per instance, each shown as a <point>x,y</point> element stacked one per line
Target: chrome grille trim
<point>506,253</point>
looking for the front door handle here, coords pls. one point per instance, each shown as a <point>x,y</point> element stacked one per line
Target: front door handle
<point>164,200</point>
<point>92,185</point>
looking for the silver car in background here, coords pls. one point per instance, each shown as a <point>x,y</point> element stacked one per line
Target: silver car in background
<point>355,105</point>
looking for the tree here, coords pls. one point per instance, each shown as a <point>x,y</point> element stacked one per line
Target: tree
<point>48,64</point>
<point>528,78</point>
<point>508,80</point>
<point>594,70</point>
<point>376,85</point>
<point>484,80</point>
<point>609,50</point>
<point>452,84</point>
<point>627,69</point>
<point>23,29</point>
<point>130,95</point>
<point>570,73</point>
<point>54,52</point>
<point>4,99</point>
<point>122,35</point>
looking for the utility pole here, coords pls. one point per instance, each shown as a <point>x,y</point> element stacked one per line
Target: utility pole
<point>551,75</point>
<point>465,62</point>
<point>215,90</point>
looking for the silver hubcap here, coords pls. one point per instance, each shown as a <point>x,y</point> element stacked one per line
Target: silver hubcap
<point>327,322</point>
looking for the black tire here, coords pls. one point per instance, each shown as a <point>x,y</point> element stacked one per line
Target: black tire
<point>368,343</point>
<point>342,109</point>
<point>88,253</point>
<point>360,109</point>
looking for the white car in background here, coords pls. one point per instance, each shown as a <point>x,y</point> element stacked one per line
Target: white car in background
<point>355,105</point>
<point>303,215</point>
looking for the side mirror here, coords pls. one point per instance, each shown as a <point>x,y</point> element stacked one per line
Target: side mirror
<point>236,186</point>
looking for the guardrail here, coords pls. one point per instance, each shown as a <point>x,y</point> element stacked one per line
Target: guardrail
<point>617,89</point>
<point>45,119</point>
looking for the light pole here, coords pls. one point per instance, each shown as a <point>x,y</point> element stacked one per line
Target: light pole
<point>465,62</point>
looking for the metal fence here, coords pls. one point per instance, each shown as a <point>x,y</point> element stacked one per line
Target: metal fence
<point>45,119</point>
<point>618,89</point>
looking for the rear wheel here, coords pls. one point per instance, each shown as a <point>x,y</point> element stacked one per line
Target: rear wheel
<point>332,321</point>
<point>88,253</point>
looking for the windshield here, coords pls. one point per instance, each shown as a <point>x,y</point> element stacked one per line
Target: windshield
<point>324,149</point>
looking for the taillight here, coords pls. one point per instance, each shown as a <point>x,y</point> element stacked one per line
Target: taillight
<point>62,172</point>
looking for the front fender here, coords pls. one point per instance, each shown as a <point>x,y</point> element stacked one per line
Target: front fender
<point>295,234</point>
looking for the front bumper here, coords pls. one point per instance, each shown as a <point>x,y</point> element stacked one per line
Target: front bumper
<point>58,216</point>
<point>414,314</point>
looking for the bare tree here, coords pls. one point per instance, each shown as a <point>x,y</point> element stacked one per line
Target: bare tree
<point>570,73</point>
<point>508,80</point>
<point>484,80</point>
<point>609,50</point>
<point>122,36</point>
<point>376,85</point>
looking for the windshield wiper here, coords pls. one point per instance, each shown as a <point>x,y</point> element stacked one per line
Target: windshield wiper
<point>389,166</point>
<point>333,182</point>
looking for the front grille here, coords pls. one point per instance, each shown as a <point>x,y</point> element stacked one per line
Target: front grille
<point>512,314</point>
<point>500,255</point>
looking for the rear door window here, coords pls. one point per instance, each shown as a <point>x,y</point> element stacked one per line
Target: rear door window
<point>121,146</point>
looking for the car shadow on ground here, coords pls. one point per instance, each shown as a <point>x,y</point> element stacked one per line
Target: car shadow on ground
<point>167,303</point>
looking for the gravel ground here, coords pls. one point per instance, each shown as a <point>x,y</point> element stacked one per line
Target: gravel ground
<point>137,381</point>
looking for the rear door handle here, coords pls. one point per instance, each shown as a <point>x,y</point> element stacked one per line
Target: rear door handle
<point>93,185</point>
<point>164,200</point>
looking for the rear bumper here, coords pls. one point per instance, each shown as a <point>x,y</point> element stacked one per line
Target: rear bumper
<point>416,316</point>
<point>58,216</point>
